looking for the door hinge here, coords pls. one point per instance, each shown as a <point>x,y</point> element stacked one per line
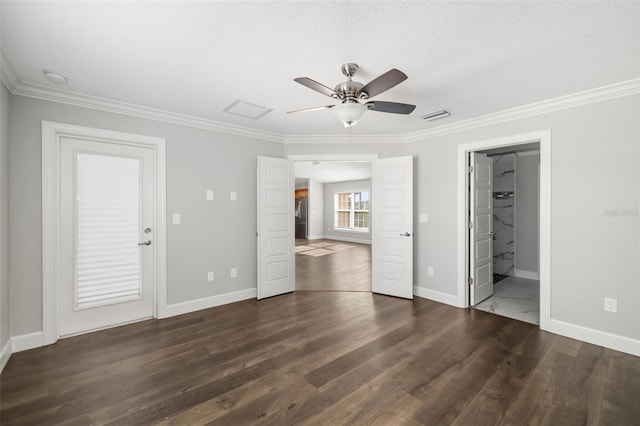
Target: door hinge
<point>470,225</point>
<point>470,169</point>
<point>470,280</point>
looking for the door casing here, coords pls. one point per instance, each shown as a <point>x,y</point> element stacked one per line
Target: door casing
<point>544,138</point>
<point>51,134</point>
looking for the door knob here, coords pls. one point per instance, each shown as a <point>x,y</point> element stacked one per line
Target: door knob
<point>145,243</point>
<point>406,234</point>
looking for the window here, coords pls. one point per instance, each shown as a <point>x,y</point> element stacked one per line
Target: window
<point>352,211</point>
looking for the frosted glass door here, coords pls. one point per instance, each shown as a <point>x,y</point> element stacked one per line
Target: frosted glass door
<point>106,261</point>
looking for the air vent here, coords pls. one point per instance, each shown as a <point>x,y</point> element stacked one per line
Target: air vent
<point>245,109</point>
<point>436,115</point>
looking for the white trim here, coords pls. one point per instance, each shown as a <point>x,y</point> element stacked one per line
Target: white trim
<point>345,239</point>
<point>342,139</point>
<point>24,342</point>
<point>596,337</point>
<point>16,87</point>
<point>51,134</point>
<point>437,296</point>
<point>5,354</point>
<point>544,138</point>
<point>209,302</point>
<point>316,237</point>
<point>529,275</point>
<point>612,91</point>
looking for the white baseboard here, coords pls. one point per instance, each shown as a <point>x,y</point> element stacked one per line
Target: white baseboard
<point>315,237</point>
<point>437,296</point>
<point>208,302</point>
<point>530,275</point>
<point>346,239</point>
<point>596,337</point>
<point>5,354</point>
<point>25,342</point>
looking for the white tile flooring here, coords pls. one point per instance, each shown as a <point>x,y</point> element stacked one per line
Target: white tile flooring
<point>516,298</point>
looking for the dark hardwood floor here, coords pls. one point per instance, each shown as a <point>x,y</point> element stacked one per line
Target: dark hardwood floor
<point>322,358</point>
<point>345,270</point>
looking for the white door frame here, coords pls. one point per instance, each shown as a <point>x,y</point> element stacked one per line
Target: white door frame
<point>544,138</point>
<point>51,135</point>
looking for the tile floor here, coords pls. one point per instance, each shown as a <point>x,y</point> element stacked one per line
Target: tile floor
<point>516,298</point>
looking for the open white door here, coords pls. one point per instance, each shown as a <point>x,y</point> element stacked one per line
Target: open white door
<point>392,226</point>
<point>480,227</point>
<point>276,246</point>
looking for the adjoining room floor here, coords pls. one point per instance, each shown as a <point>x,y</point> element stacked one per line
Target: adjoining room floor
<point>516,298</point>
<point>329,265</point>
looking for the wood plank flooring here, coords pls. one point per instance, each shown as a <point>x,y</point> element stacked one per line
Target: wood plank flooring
<point>346,270</point>
<point>322,358</point>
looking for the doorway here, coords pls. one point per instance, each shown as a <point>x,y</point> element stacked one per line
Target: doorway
<point>513,196</point>
<point>80,251</point>
<point>391,226</point>
<point>332,226</point>
<point>465,265</point>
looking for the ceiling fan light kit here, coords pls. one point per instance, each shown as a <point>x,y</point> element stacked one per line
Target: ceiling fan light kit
<point>349,113</point>
<point>351,92</point>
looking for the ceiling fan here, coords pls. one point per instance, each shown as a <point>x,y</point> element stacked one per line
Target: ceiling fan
<point>350,93</point>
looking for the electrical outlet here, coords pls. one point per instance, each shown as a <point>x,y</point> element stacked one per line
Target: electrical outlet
<point>234,272</point>
<point>210,276</point>
<point>430,271</point>
<point>610,305</point>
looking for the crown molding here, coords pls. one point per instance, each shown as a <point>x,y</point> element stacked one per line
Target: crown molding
<point>7,74</point>
<point>16,87</point>
<point>342,139</point>
<point>585,97</point>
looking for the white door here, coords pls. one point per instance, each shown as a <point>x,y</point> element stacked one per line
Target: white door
<point>106,205</point>
<point>392,226</point>
<point>481,227</point>
<point>276,244</point>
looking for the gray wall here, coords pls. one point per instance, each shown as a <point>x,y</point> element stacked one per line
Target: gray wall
<point>316,209</point>
<point>5,102</point>
<point>527,212</point>
<point>329,208</point>
<point>214,235</point>
<point>594,210</point>
<point>594,206</point>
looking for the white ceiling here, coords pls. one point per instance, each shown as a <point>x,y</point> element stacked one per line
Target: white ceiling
<point>196,58</point>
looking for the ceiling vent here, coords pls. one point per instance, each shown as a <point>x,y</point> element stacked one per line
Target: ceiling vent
<point>245,109</point>
<point>436,115</point>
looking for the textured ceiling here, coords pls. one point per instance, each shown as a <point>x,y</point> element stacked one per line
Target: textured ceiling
<point>196,58</point>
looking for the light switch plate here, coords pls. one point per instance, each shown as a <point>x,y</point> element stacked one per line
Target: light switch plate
<point>176,218</point>
<point>233,196</point>
<point>209,194</point>
<point>424,218</point>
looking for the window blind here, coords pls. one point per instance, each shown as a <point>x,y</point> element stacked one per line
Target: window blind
<point>107,228</point>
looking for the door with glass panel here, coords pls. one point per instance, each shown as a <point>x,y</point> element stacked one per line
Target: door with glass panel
<point>107,233</point>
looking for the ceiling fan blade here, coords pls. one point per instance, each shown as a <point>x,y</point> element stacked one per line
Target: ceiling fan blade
<point>318,87</point>
<point>311,109</point>
<point>383,83</point>
<point>394,107</point>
